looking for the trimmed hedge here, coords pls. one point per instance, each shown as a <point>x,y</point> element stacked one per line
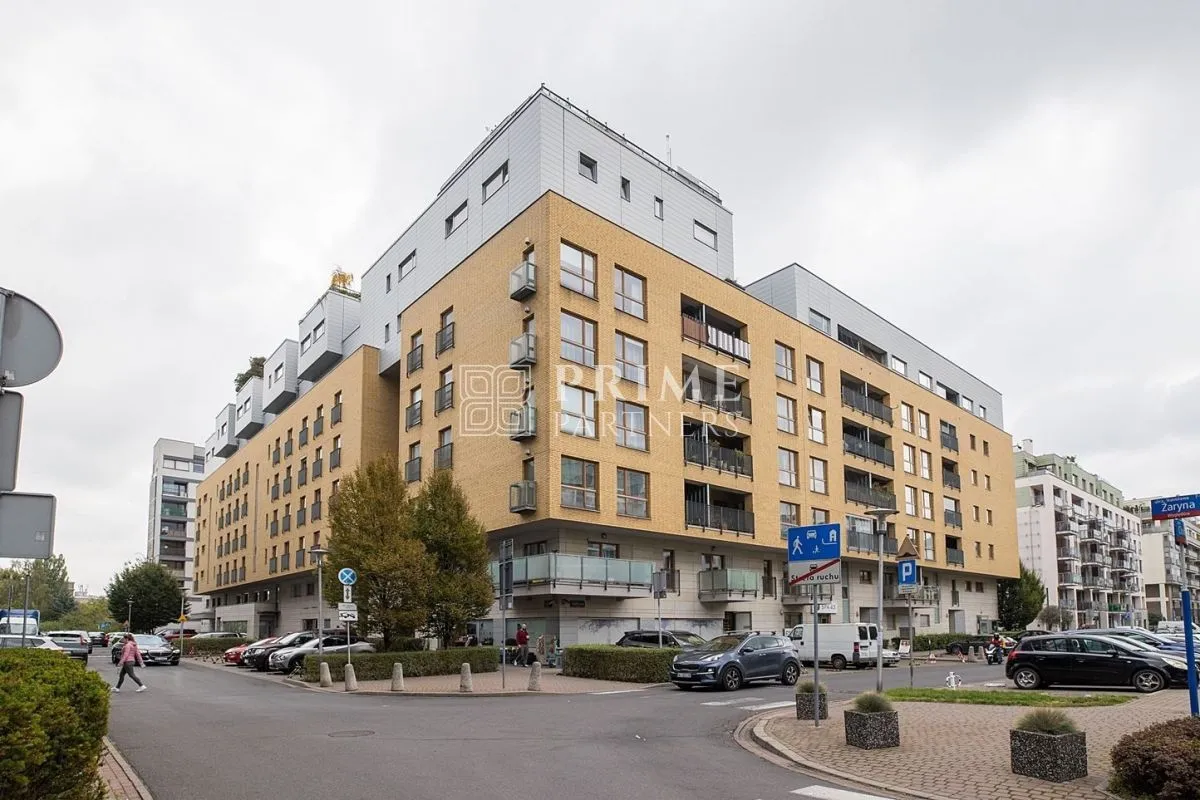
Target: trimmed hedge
<point>1161,761</point>
<point>417,663</point>
<point>53,718</point>
<point>937,642</point>
<point>611,663</point>
<point>193,648</point>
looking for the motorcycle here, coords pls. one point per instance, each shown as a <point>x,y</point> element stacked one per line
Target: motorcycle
<point>995,654</point>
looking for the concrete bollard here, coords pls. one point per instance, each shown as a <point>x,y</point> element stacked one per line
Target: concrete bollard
<point>535,677</point>
<point>464,680</point>
<point>351,681</point>
<point>397,677</point>
<point>326,679</point>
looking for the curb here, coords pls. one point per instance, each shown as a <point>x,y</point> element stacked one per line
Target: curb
<point>299,684</point>
<point>111,751</point>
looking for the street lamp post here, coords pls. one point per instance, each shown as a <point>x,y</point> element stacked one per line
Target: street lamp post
<point>129,618</point>
<point>318,553</point>
<point>880,515</point>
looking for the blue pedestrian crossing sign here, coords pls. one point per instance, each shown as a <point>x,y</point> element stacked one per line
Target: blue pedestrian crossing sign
<point>815,554</point>
<point>907,575</point>
<point>347,576</point>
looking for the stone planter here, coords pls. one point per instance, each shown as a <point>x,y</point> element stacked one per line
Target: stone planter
<point>805,705</point>
<point>872,731</point>
<point>1049,757</point>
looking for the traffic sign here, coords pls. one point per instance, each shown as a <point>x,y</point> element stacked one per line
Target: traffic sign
<point>347,612</point>
<point>1186,505</point>
<point>907,575</point>
<point>347,594</point>
<point>347,576</point>
<point>26,525</point>
<point>182,618</point>
<point>30,342</point>
<point>11,404</point>
<point>817,550</point>
<point>1180,533</point>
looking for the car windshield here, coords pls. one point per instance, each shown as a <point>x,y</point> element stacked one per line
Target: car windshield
<point>690,639</point>
<point>145,640</point>
<point>720,644</point>
<point>292,639</point>
<point>69,635</point>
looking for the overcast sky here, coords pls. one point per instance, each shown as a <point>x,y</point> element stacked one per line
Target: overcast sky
<point>1015,184</point>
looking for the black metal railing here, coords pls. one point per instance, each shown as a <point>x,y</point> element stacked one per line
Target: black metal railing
<point>444,339</point>
<point>720,518</point>
<point>443,457</point>
<point>415,359</point>
<point>335,414</point>
<point>412,469</point>
<point>866,404</point>
<point>950,441</point>
<point>443,398</point>
<point>951,479</point>
<point>953,518</point>
<point>956,558</point>
<point>868,450</point>
<point>876,498</point>
<point>412,415</point>
<point>722,459</point>
<point>522,496</point>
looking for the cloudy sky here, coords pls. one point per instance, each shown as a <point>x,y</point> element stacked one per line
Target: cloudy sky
<point>1017,187</point>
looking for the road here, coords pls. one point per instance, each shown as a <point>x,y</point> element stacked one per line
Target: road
<point>201,732</point>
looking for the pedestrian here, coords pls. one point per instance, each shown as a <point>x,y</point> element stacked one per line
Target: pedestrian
<point>522,645</point>
<point>130,657</point>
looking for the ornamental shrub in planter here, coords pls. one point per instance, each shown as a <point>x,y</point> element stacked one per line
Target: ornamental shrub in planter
<point>807,698</point>
<point>1161,761</point>
<point>872,724</point>
<point>1046,745</point>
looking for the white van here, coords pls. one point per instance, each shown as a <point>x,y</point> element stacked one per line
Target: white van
<point>1170,627</point>
<point>841,644</point>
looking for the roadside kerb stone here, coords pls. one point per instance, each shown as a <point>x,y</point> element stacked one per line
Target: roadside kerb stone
<point>120,779</point>
<point>486,684</point>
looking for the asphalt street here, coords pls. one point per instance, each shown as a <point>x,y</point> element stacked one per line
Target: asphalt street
<point>202,733</point>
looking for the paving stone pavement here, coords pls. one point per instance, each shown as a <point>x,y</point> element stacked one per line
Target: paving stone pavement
<point>119,778</point>
<point>958,751</point>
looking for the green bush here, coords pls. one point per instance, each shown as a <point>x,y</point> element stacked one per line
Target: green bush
<point>417,663</point>
<point>611,663</point>
<point>872,703</point>
<point>1161,761</point>
<point>193,648</point>
<point>808,687</point>
<point>937,642</point>
<point>53,718</point>
<point>1047,720</point>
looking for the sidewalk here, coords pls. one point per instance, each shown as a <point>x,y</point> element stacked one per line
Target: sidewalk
<point>950,751</point>
<point>120,779</point>
<point>488,683</point>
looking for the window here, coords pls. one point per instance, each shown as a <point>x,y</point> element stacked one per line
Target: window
<point>578,339</point>
<point>408,264</point>
<point>578,272</point>
<point>925,380</point>
<point>496,180</point>
<point>820,322</point>
<point>922,424</point>
<point>789,465</point>
<point>906,417</point>
<point>926,465</point>
<point>577,411</point>
<point>626,189</point>
<point>789,516</point>
<point>816,476</point>
<point>816,425</point>
<point>704,234</point>
<point>927,505</point>
<point>898,365</point>
<point>965,402</point>
<point>455,220</point>
<point>631,425</point>
<point>785,414</point>
<point>318,331</point>
<point>987,482</point>
<point>629,293</point>
<point>387,332</point>
<point>981,411</point>
<point>587,167</point>
<point>987,451</point>
<point>816,375</point>
<point>630,358</point>
<point>820,516</point>
<point>910,459</point>
<point>578,484</point>
<point>633,493</point>
<point>910,501</point>
<point>972,439</point>
<point>785,362</point>
<point>989,516</point>
<point>658,208</point>
<point>975,513</point>
<point>864,576</point>
<point>387,284</point>
<point>974,478</point>
<point>992,552</point>
<point>930,546</point>
<point>602,550</point>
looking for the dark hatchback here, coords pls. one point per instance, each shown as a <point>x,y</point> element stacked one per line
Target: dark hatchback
<point>734,659</point>
<point>1088,660</point>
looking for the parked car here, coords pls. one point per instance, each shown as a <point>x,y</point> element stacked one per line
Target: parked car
<point>76,643</point>
<point>1077,659</point>
<point>98,638</point>
<point>258,655</point>
<point>289,658</point>
<point>734,659</point>
<point>1139,635</point>
<point>41,642</point>
<point>221,635</point>
<point>234,654</point>
<point>890,657</point>
<point>155,649</point>
<point>171,632</point>
<point>684,640</point>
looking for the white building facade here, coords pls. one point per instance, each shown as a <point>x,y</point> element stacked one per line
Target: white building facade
<point>171,531</point>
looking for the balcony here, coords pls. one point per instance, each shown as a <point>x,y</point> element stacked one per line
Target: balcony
<point>522,423</point>
<point>522,497</point>
<point>287,448</point>
<point>302,437</point>
<point>275,455</point>
<point>286,523</point>
<point>285,561</point>
<point>1093,556</point>
<point>718,518</point>
<point>722,459</point>
<point>866,404</point>
<point>793,595</point>
<point>950,441</point>
<point>956,558</point>
<point>443,398</point>
<point>302,476</point>
<point>335,458</point>
<point>590,576</point>
<point>301,516</point>
<point>1070,553</point>
<point>865,495</point>
<point>444,339</point>
<point>275,492</point>
<point>522,281</point>
<point>299,558</point>
<point>707,395</point>
<point>443,457</point>
<point>729,585</point>
<point>924,597</point>
<point>287,485</point>
<point>314,511</point>
<point>1120,541</point>
<point>274,527</point>
<point>868,450</point>
<point>318,468</point>
<point>412,470</point>
<point>318,426</point>
<point>522,351</point>
<point>335,414</point>
<point>412,415</point>
<point>952,518</point>
<point>415,359</point>
<point>869,543</point>
<point>273,566</point>
<point>713,337</point>
<point>951,480</point>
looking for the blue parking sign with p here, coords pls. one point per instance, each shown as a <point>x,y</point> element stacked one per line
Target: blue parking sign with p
<point>906,572</point>
<point>814,542</point>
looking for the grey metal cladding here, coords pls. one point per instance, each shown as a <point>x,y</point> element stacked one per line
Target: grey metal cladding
<point>794,290</point>
<point>278,393</point>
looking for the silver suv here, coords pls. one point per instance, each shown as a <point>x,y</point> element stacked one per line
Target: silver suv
<point>734,659</point>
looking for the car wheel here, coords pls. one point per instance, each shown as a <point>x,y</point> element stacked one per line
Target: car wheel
<point>838,662</point>
<point>791,674</point>
<point>1147,681</point>
<point>731,679</point>
<point>1026,678</point>
<point>956,650</point>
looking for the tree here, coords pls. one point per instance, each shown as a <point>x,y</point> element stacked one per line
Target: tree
<point>155,593</point>
<point>49,586</point>
<point>255,370</point>
<point>371,532</point>
<point>1020,599</point>
<point>1056,618</point>
<point>1152,620</point>
<point>86,617</point>
<point>461,589</point>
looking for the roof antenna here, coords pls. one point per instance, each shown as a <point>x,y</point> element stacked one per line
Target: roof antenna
<point>669,162</point>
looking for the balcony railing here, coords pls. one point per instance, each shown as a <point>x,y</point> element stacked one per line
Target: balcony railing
<point>275,456</point>
<point>287,448</point>
<point>868,450</point>
<point>522,497</point>
<point>274,527</point>
<point>713,337</point>
<point>286,523</point>
<point>1068,552</point>
<point>869,543</point>
<point>173,510</point>
<point>335,458</point>
<point>444,340</point>
<point>951,480</point>
<point>560,570</point>
<point>318,426</point>
<point>722,459</point>
<point>443,398</point>
<point>950,441</point>
<point>302,437</point>
<point>876,498</point>
<point>719,518</point>
<point>299,558</point>
<point>952,518</point>
<point>443,457</point>
<point>318,468</point>
<point>275,492</point>
<point>1070,578</point>
<point>955,558</point>
<point>301,516</point>
<point>302,476</point>
<point>287,485</point>
<point>522,351</point>
<point>866,404</point>
<point>415,359</point>
<point>273,566</point>
<point>412,470</point>
<point>285,561</point>
<point>335,414</point>
<point>412,415</point>
<point>314,511</point>
<point>522,281</point>
<point>522,423</point>
<point>729,582</point>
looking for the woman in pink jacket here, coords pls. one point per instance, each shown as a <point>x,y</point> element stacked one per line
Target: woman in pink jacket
<point>130,657</point>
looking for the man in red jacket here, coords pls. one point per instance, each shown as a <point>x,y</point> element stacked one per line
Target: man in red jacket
<point>522,645</point>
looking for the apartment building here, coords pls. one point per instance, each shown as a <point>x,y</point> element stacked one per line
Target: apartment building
<point>1075,533</point>
<point>177,469</point>
<point>1170,561</point>
<point>561,328</point>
